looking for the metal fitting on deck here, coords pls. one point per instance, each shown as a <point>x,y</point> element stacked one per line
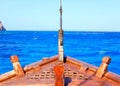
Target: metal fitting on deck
<point>45,59</point>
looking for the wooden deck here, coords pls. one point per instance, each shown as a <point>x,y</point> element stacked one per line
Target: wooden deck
<point>76,73</point>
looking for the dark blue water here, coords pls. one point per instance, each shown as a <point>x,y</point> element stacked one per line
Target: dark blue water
<point>31,46</point>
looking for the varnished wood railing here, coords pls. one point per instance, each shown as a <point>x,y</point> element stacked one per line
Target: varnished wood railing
<point>100,72</point>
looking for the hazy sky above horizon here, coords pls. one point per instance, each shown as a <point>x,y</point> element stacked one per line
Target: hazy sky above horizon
<point>79,15</point>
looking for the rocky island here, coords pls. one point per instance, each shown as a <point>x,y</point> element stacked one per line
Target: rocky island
<point>1,27</point>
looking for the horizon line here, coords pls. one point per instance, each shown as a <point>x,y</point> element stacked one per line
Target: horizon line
<point>64,30</point>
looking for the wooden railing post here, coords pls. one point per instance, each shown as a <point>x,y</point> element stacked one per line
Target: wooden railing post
<point>17,67</point>
<point>59,71</point>
<point>103,67</point>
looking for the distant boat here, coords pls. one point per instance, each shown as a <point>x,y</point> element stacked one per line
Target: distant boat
<point>2,27</point>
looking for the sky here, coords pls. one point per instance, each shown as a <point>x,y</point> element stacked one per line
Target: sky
<point>78,15</point>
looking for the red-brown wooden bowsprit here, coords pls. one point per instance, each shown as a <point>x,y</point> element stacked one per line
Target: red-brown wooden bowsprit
<point>59,71</point>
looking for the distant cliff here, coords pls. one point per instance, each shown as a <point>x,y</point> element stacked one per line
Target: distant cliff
<point>1,27</point>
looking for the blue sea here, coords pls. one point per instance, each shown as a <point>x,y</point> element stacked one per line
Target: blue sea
<point>32,46</point>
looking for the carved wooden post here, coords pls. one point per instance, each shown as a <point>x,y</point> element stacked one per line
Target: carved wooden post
<point>17,67</point>
<point>59,70</point>
<point>103,67</point>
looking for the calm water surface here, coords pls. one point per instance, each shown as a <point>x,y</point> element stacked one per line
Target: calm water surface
<point>32,46</point>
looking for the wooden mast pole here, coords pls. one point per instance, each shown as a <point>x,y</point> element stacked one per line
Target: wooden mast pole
<point>60,37</point>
